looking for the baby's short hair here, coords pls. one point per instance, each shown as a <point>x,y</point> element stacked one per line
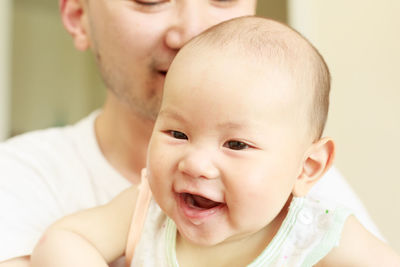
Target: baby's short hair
<point>265,39</point>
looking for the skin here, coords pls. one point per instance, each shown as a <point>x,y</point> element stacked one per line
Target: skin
<point>134,43</point>
<point>213,140</point>
<point>204,149</point>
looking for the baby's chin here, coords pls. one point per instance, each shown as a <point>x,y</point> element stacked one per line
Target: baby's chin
<point>212,238</point>
<point>199,240</point>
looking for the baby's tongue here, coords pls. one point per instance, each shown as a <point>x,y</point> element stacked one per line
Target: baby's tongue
<point>204,203</point>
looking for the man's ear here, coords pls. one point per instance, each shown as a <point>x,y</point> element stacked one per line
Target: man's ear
<point>317,160</point>
<point>74,18</point>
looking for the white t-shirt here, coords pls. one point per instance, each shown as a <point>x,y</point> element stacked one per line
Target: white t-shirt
<point>50,173</point>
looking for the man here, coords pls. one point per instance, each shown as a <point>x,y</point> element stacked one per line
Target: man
<point>50,173</point>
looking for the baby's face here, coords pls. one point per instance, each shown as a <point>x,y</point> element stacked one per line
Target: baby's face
<point>226,148</point>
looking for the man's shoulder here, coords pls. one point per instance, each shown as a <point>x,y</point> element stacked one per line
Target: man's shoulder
<point>45,175</point>
<point>51,143</point>
<point>37,139</point>
<point>49,153</point>
<point>65,161</point>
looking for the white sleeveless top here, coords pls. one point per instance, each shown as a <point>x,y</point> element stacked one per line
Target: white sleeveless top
<point>310,230</point>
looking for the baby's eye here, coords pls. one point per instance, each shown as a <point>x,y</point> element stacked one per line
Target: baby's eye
<point>151,6</point>
<point>236,145</point>
<point>149,2</point>
<point>178,135</point>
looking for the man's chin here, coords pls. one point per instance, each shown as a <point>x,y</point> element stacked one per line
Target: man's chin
<point>149,110</point>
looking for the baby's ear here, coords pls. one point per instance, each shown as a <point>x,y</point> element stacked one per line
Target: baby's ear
<point>317,160</point>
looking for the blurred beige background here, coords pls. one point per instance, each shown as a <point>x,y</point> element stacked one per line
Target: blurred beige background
<point>5,44</point>
<point>360,40</point>
<point>51,84</point>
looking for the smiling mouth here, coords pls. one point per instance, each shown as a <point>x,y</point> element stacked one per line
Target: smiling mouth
<point>198,209</point>
<point>199,202</point>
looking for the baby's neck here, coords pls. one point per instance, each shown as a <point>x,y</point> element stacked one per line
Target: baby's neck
<point>239,252</point>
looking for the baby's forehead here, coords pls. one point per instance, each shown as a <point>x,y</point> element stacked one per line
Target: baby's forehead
<point>233,77</point>
<point>280,49</point>
<point>255,47</point>
<point>268,70</point>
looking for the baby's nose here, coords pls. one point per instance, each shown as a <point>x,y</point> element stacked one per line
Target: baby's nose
<point>198,164</point>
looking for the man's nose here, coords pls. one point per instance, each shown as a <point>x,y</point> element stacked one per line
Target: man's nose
<point>198,164</point>
<point>190,19</point>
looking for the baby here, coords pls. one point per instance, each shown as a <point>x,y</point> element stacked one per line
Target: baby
<point>235,149</point>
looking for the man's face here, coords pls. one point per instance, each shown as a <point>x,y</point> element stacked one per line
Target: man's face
<point>135,41</point>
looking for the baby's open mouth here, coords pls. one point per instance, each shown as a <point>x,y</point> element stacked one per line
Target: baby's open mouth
<point>199,202</point>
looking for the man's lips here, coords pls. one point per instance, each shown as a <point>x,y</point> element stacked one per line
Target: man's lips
<point>162,72</point>
<point>162,63</point>
<point>162,68</point>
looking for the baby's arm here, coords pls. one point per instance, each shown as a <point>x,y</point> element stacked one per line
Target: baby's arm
<point>92,237</point>
<point>358,247</point>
